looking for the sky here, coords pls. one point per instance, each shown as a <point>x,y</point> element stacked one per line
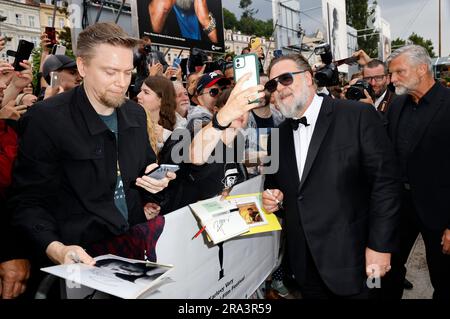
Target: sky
<point>404,16</point>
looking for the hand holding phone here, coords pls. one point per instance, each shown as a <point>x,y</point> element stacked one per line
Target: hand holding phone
<point>255,43</point>
<point>22,54</point>
<point>54,79</point>
<point>161,171</point>
<point>51,35</point>
<point>246,63</point>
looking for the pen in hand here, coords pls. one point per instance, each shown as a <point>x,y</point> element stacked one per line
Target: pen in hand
<point>279,204</point>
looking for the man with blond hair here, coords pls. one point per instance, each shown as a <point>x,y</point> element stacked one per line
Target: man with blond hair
<point>79,176</point>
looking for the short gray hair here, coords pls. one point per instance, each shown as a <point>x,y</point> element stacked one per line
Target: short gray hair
<point>299,59</point>
<point>416,55</point>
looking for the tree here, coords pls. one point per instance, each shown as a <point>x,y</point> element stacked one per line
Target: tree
<point>245,6</point>
<point>415,39</point>
<point>357,14</point>
<point>397,43</point>
<point>229,19</point>
<point>427,44</point>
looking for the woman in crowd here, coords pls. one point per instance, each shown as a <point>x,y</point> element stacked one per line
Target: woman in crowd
<point>158,99</point>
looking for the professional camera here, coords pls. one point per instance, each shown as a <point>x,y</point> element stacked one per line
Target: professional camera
<point>356,91</point>
<point>197,58</point>
<point>327,75</point>
<point>147,48</point>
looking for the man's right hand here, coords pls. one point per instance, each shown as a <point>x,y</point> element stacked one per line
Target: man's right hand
<point>62,254</point>
<point>271,200</point>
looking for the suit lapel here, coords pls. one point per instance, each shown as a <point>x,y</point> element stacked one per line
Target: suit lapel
<point>287,136</point>
<point>396,110</point>
<point>320,130</point>
<point>428,116</point>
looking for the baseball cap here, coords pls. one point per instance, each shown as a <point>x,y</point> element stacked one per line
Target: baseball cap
<point>209,79</point>
<point>57,63</point>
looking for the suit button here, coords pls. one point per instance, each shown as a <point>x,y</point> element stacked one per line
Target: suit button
<point>300,197</point>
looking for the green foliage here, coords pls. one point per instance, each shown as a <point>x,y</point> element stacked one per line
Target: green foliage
<point>415,39</point>
<point>230,20</point>
<point>248,24</point>
<point>245,6</point>
<point>427,44</point>
<point>357,14</point>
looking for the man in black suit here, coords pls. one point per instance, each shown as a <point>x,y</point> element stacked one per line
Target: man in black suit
<point>338,179</point>
<point>420,130</point>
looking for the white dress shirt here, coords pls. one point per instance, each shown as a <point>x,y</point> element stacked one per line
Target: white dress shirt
<point>378,101</point>
<point>303,135</point>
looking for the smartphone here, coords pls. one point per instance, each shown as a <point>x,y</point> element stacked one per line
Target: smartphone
<point>161,171</point>
<point>23,53</point>
<point>51,35</point>
<point>54,79</point>
<point>246,63</point>
<point>255,43</point>
<point>59,49</point>
<point>176,62</point>
<point>277,53</point>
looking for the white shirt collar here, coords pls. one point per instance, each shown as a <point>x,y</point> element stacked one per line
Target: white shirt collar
<point>378,101</point>
<point>312,112</point>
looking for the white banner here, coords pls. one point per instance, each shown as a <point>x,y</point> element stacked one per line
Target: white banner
<point>204,271</point>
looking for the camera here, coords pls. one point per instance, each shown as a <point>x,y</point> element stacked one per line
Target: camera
<point>197,58</point>
<point>147,48</point>
<point>327,75</point>
<point>356,91</point>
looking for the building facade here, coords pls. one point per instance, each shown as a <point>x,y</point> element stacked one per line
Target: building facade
<point>22,22</point>
<point>46,15</point>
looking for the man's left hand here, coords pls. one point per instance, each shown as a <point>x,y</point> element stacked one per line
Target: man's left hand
<point>153,185</point>
<point>446,242</point>
<point>377,264</point>
<point>13,277</point>
<point>24,77</point>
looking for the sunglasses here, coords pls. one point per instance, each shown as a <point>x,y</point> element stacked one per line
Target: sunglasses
<point>285,79</point>
<point>212,92</point>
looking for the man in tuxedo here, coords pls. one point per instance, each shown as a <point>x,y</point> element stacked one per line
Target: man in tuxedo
<point>418,124</point>
<point>337,183</point>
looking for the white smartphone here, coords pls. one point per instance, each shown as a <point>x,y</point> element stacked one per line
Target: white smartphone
<point>161,171</point>
<point>246,63</point>
<point>54,79</point>
<point>59,49</point>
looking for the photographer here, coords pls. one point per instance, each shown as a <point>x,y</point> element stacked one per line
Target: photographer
<point>147,60</point>
<point>375,73</point>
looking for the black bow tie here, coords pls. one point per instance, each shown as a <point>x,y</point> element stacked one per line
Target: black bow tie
<point>295,122</point>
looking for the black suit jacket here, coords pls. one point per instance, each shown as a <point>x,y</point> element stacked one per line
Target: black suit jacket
<point>428,161</point>
<point>348,198</point>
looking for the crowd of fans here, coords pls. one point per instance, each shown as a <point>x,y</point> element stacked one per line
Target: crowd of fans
<point>174,102</point>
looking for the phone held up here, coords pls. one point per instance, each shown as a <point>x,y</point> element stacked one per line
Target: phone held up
<point>161,171</point>
<point>54,80</point>
<point>51,35</point>
<point>59,50</point>
<point>255,43</point>
<point>246,63</point>
<point>23,53</point>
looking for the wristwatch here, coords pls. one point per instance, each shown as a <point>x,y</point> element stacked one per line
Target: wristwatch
<point>211,25</point>
<point>216,124</point>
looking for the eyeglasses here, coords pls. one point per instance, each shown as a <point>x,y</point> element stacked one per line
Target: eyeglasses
<point>285,79</point>
<point>212,92</point>
<point>377,78</point>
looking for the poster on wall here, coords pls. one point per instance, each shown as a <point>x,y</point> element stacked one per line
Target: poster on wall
<point>182,23</point>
